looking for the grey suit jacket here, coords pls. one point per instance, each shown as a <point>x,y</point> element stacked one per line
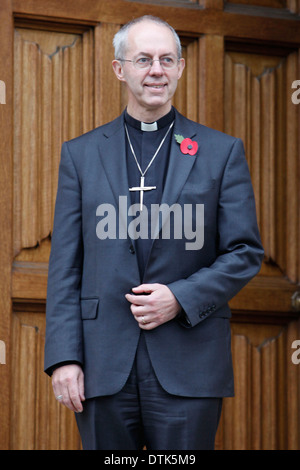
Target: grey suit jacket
<point>88,318</point>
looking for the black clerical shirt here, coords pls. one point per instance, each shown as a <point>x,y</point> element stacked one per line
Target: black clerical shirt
<point>145,144</point>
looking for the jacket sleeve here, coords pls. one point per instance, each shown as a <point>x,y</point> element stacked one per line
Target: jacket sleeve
<point>63,317</point>
<point>239,249</point>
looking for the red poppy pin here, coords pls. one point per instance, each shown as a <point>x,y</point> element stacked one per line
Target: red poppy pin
<point>187,146</point>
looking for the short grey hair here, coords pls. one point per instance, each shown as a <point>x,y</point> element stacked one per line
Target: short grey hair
<point>120,38</point>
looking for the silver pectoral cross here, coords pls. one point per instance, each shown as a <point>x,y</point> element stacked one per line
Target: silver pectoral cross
<point>142,188</point>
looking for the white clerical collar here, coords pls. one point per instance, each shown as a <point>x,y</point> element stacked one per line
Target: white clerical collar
<point>149,127</point>
<point>153,126</point>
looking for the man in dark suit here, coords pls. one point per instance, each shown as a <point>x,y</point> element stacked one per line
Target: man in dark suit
<point>154,232</point>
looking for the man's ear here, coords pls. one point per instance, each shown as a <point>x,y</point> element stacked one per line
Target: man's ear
<point>181,66</point>
<point>118,69</point>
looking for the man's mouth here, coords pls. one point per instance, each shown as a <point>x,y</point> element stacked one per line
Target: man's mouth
<point>155,85</point>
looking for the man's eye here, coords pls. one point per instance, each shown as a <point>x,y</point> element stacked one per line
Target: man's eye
<point>143,60</point>
<point>167,60</point>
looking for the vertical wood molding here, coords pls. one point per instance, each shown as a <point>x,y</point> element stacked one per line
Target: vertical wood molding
<point>292,171</point>
<point>6,110</point>
<point>186,96</point>
<point>107,86</point>
<point>192,98</point>
<point>88,74</point>
<point>211,81</point>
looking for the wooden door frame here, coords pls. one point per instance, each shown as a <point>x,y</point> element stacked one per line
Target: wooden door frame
<point>6,196</point>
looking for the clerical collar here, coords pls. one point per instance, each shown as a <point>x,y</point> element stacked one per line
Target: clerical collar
<point>150,127</point>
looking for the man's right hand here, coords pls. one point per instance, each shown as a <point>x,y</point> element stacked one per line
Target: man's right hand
<point>67,381</point>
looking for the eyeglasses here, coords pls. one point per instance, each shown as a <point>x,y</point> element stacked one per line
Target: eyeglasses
<point>147,62</point>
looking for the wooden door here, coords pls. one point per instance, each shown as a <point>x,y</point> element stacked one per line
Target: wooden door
<point>55,64</point>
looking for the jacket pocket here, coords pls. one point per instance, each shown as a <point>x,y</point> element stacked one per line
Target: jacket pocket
<point>89,308</point>
<point>199,187</point>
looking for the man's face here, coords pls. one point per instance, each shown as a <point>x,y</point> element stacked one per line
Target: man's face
<point>150,90</point>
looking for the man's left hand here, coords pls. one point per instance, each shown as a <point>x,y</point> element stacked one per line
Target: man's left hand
<point>152,305</point>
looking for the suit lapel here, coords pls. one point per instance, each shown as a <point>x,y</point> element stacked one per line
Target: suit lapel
<point>112,151</point>
<point>179,168</point>
<point>113,157</point>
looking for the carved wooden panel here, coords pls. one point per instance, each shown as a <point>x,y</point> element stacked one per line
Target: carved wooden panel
<point>258,109</point>
<point>53,103</point>
<point>40,422</point>
<point>263,414</point>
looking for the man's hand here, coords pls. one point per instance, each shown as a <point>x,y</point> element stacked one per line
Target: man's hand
<point>158,306</point>
<point>67,381</point>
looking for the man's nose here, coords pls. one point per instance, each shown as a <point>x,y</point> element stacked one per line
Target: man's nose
<point>156,68</point>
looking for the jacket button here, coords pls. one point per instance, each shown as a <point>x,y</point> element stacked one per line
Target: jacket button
<point>131,249</point>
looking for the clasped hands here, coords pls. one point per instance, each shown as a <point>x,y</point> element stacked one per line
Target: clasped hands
<point>151,305</point>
